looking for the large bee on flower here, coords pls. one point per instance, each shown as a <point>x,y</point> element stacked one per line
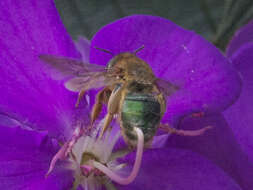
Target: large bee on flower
<point>129,90</point>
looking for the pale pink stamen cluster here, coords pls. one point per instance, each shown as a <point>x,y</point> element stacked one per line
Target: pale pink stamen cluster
<point>89,177</point>
<point>93,160</point>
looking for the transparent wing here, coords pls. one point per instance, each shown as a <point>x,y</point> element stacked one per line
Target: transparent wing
<point>96,80</point>
<point>71,67</point>
<point>83,76</point>
<point>166,87</point>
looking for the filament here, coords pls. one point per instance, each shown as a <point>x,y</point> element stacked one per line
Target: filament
<point>126,180</point>
<point>59,155</point>
<point>196,132</point>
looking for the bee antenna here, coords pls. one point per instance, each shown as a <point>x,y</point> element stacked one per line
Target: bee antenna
<point>104,50</point>
<point>139,49</point>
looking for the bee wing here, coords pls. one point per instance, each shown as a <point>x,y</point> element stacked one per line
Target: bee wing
<point>166,87</point>
<point>83,76</point>
<point>95,80</point>
<point>71,67</point>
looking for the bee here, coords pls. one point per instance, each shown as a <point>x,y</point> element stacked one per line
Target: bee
<point>130,90</point>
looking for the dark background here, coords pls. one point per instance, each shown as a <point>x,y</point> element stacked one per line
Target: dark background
<point>216,20</point>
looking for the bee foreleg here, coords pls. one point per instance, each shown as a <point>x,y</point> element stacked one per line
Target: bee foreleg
<point>167,128</point>
<point>102,97</point>
<point>112,107</point>
<point>80,96</point>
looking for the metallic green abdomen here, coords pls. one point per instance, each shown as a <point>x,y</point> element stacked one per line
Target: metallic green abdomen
<point>142,111</point>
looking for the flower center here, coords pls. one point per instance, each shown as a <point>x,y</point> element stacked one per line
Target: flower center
<point>89,149</point>
<point>94,162</point>
<point>88,156</point>
<point>86,169</point>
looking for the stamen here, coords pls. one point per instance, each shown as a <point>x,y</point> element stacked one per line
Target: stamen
<point>65,149</point>
<point>122,180</point>
<point>59,155</point>
<point>182,132</point>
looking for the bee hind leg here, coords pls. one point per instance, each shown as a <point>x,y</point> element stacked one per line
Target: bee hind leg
<point>112,107</point>
<point>102,97</point>
<point>108,120</point>
<point>169,129</point>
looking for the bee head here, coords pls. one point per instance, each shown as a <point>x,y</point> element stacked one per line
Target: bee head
<point>120,57</point>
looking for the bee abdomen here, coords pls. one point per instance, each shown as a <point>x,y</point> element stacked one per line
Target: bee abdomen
<point>142,111</point>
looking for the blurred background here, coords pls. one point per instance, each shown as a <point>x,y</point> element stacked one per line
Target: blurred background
<point>215,20</point>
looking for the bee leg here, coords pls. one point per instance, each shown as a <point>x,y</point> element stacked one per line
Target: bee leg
<point>112,107</point>
<point>108,120</point>
<point>80,96</point>
<point>167,128</point>
<point>102,97</point>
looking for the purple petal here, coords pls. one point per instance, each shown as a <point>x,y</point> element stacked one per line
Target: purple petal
<point>83,46</point>
<point>28,29</point>
<point>159,141</point>
<point>239,116</point>
<point>5,120</point>
<point>241,37</point>
<point>207,82</point>
<point>218,145</point>
<point>168,169</point>
<point>24,160</point>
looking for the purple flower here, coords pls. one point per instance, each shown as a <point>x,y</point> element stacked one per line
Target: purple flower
<point>239,116</point>
<point>230,144</point>
<point>37,112</point>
